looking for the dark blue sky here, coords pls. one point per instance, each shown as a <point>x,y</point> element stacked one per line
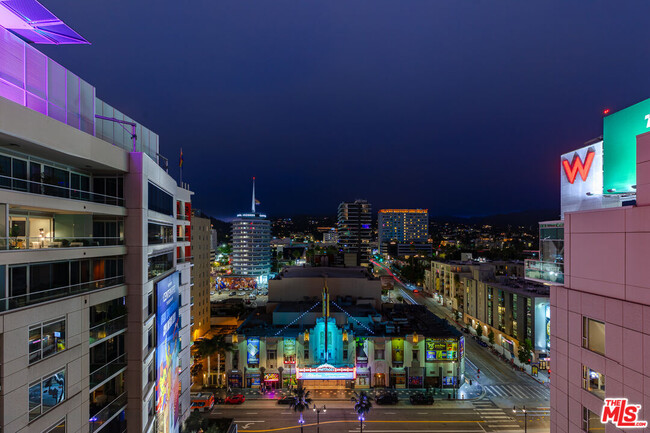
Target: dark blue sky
<point>463,107</point>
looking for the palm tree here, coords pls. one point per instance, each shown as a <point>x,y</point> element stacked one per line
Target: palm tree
<point>206,347</point>
<point>300,402</point>
<point>362,405</point>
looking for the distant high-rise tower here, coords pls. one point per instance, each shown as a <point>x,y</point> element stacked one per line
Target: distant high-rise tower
<point>354,230</point>
<point>251,244</point>
<point>404,232</point>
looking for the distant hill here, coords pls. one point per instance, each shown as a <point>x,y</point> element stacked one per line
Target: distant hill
<point>223,229</point>
<point>528,218</point>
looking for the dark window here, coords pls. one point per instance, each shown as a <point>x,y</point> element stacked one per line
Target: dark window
<point>19,172</point>
<point>160,234</point>
<point>5,171</point>
<point>160,201</point>
<point>160,264</point>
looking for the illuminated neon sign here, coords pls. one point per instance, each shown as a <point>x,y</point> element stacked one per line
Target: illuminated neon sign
<point>326,372</point>
<point>577,166</point>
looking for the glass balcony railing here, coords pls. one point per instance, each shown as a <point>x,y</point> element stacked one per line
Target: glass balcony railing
<point>102,412</point>
<point>100,373</point>
<point>19,301</point>
<point>42,188</point>
<point>110,327</point>
<point>547,272</point>
<point>184,259</point>
<point>40,242</point>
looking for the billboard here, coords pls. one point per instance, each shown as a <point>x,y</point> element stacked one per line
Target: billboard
<point>253,350</point>
<point>362,354</point>
<point>397,349</point>
<point>289,351</point>
<point>236,283</point>
<point>439,349</point>
<point>619,145</point>
<point>168,347</point>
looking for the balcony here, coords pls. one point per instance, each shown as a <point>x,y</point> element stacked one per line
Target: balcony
<point>99,373</point>
<point>184,259</point>
<point>19,301</point>
<point>41,242</point>
<point>544,272</point>
<point>105,329</point>
<point>43,188</point>
<point>103,412</point>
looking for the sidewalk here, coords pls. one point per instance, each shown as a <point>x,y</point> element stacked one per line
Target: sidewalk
<point>465,393</point>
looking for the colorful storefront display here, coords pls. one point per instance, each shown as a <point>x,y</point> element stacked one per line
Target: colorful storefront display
<point>272,377</point>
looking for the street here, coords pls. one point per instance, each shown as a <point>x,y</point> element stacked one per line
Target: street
<point>442,416</point>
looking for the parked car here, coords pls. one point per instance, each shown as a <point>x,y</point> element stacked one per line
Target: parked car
<point>421,398</point>
<point>482,343</point>
<point>387,398</point>
<point>233,293</point>
<point>235,399</point>
<point>286,400</point>
<point>213,292</point>
<point>241,293</point>
<point>252,297</point>
<point>202,402</point>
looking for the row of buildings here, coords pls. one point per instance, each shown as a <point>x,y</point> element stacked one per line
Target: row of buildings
<point>104,268</point>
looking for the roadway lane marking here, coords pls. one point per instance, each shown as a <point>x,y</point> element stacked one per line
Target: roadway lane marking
<point>251,413</point>
<point>423,413</point>
<point>247,421</point>
<point>388,413</point>
<point>416,431</point>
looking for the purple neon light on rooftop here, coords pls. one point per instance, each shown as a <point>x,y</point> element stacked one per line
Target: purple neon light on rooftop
<point>31,21</point>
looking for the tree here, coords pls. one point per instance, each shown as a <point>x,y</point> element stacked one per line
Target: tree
<point>524,351</point>
<point>362,405</point>
<point>193,422</point>
<point>300,403</point>
<point>280,370</point>
<point>479,330</point>
<point>207,347</point>
<point>491,336</point>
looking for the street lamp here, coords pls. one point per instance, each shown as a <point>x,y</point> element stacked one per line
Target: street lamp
<point>361,420</point>
<point>301,421</point>
<point>523,409</point>
<point>318,411</point>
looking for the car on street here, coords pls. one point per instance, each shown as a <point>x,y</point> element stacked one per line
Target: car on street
<point>286,400</point>
<point>235,399</point>
<point>213,292</point>
<point>233,293</point>
<point>241,293</point>
<point>421,398</point>
<point>387,398</point>
<point>482,343</point>
<point>202,402</point>
<point>252,297</point>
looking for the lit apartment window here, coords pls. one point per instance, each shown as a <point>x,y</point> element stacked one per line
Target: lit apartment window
<point>46,393</point>
<point>593,381</point>
<point>593,335</point>
<point>46,339</point>
<point>591,421</point>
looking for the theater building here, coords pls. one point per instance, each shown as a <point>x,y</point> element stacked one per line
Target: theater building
<point>326,339</point>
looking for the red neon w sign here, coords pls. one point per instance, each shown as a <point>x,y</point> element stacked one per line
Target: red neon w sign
<point>571,169</point>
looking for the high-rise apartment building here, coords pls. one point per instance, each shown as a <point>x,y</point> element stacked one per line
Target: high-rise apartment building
<point>94,317</point>
<point>404,232</point>
<point>354,230</point>
<point>600,316</point>
<point>251,245</point>
<point>200,282</point>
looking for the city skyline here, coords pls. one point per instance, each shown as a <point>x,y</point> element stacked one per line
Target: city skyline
<point>404,89</point>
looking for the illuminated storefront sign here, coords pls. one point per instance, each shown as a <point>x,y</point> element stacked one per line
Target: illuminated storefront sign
<point>289,351</point>
<point>619,145</point>
<point>253,350</point>
<point>271,377</point>
<point>548,327</point>
<point>326,372</point>
<point>440,349</point>
<point>167,350</point>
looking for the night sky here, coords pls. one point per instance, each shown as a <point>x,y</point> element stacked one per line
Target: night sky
<point>462,107</point>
